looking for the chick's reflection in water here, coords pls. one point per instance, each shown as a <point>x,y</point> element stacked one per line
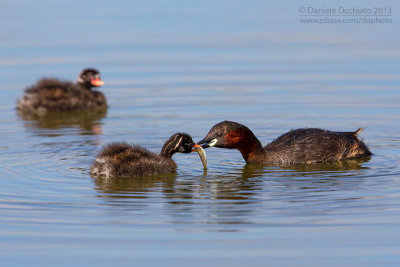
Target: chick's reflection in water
<point>214,199</point>
<point>131,188</point>
<point>88,122</point>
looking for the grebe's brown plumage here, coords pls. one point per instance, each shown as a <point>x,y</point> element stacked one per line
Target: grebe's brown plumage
<point>124,160</point>
<point>50,94</point>
<point>301,146</point>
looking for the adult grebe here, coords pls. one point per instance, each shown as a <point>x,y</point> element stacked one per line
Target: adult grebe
<point>301,146</point>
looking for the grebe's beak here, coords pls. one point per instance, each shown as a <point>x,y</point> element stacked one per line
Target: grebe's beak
<point>202,154</point>
<point>207,143</point>
<point>97,82</point>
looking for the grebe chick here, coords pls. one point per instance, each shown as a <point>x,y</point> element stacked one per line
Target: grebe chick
<point>301,146</point>
<point>123,160</point>
<point>50,94</point>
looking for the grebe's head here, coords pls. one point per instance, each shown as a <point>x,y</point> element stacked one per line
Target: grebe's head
<point>183,143</point>
<point>178,143</point>
<point>227,134</point>
<point>89,78</point>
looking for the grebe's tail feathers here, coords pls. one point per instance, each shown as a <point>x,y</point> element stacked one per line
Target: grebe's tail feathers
<point>358,131</point>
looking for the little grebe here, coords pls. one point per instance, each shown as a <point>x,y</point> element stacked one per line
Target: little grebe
<point>123,160</point>
<point>301,146</point>
<point>50,94</point>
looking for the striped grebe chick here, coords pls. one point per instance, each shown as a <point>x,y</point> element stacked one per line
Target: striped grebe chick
<point>50,94</point>
<point>123,160</point>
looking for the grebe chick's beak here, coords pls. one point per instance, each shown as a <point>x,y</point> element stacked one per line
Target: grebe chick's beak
<point>97,82</point>
<point>202,154</point>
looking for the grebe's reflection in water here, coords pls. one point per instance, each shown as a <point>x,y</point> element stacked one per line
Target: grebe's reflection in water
<point>88,122</point>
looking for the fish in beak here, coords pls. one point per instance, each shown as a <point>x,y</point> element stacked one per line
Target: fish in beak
<point>202,154</point>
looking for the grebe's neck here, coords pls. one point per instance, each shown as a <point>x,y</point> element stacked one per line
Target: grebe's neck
<point>169,148</point>
<point>86,86</point>
<point>252,150</point>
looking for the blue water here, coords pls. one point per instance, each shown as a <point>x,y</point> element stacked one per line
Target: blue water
<point>184,66</point>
